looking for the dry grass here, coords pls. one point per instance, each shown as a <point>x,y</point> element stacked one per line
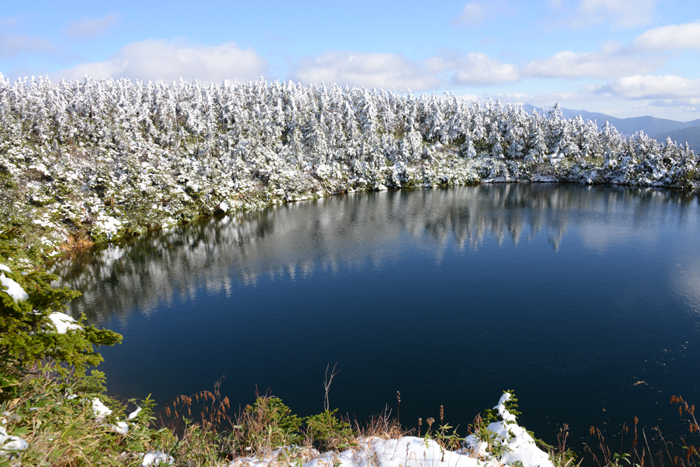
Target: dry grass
<point>640,453</point>
<point>382,426</point>
<point>203,430</point>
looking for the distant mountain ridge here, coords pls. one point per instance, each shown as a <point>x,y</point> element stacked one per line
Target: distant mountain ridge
<point>657,128</point>
<point>650,125</point>
<point>690,135</point>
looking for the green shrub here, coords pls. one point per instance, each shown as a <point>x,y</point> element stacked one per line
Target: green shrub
<point>27,335</point>
<point>328,432</point>
<point>264,426</point>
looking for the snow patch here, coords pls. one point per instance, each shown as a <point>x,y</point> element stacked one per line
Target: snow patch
<point>42,222</point>
<point>543,178</point>
<point>134,414</point>
<point>407,451</point>
<point>499,179</point>
<point>63,323</point>
<point>155,457</point>
<point>100,410</point>
<point>10,442</point>
<point>108,224</point>
<point>519,445</point>
<point>13,289</point>
<point>121,427</point>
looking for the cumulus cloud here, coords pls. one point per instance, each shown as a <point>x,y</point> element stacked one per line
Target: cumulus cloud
<point>371,70</point>
<point>169,61</point>
<point>690,101</point>
<point>394,70</point>
<point>611,61</point>
<point>476,69</point>
<point>539,98</point>
<point>650,87</point>
<point>469,97</point>
<point>671,37</point>
<point>12,45</point>
<point>619,13</point>
<point>478,12</point>
<point>88,28</point>
<point>643,55</point>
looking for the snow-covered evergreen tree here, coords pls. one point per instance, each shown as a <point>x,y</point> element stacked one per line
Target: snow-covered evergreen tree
<point>109,158</point>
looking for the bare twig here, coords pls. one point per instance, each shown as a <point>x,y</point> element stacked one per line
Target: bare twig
<point>327,385</point>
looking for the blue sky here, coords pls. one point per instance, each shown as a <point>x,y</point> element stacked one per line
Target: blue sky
<point>621,57</point>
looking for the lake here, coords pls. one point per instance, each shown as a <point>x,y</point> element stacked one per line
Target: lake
<point>582,299</point>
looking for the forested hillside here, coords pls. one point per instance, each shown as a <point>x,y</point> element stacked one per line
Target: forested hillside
<point>689,135</point>
<point>99,159</point>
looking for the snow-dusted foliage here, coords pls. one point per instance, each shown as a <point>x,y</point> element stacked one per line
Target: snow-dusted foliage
<point>118,157</point>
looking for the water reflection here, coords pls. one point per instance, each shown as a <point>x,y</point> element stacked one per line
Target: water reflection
<point>354,230</point>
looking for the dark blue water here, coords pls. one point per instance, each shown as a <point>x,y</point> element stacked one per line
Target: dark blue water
<point>584,300</point>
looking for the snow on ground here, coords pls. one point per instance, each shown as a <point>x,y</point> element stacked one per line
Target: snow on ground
<point>107,225</point>
<point>543,178</point>
<point>406,452</point>
<point>516,445</point>
<point>521,446</point>
<point>101,411</point>
<point>9,443</point>
<point>156,457</point>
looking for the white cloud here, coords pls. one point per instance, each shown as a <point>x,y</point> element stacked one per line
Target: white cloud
<point>619,13</point>
<point>650,87</point>
<point>371,70</point>
<point>611,61</point>
<point>88,28</point>
<point>12,45</point>
<point>478,12</point>
<point>690,101</point>
<point>671,37</point>
<point>476,69</point>
<point>562,96</point>
<point>113,68</point>
<point>168,61</point>
<point>394,70</point>
<point>469,97</point>
<point>538,100</point>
